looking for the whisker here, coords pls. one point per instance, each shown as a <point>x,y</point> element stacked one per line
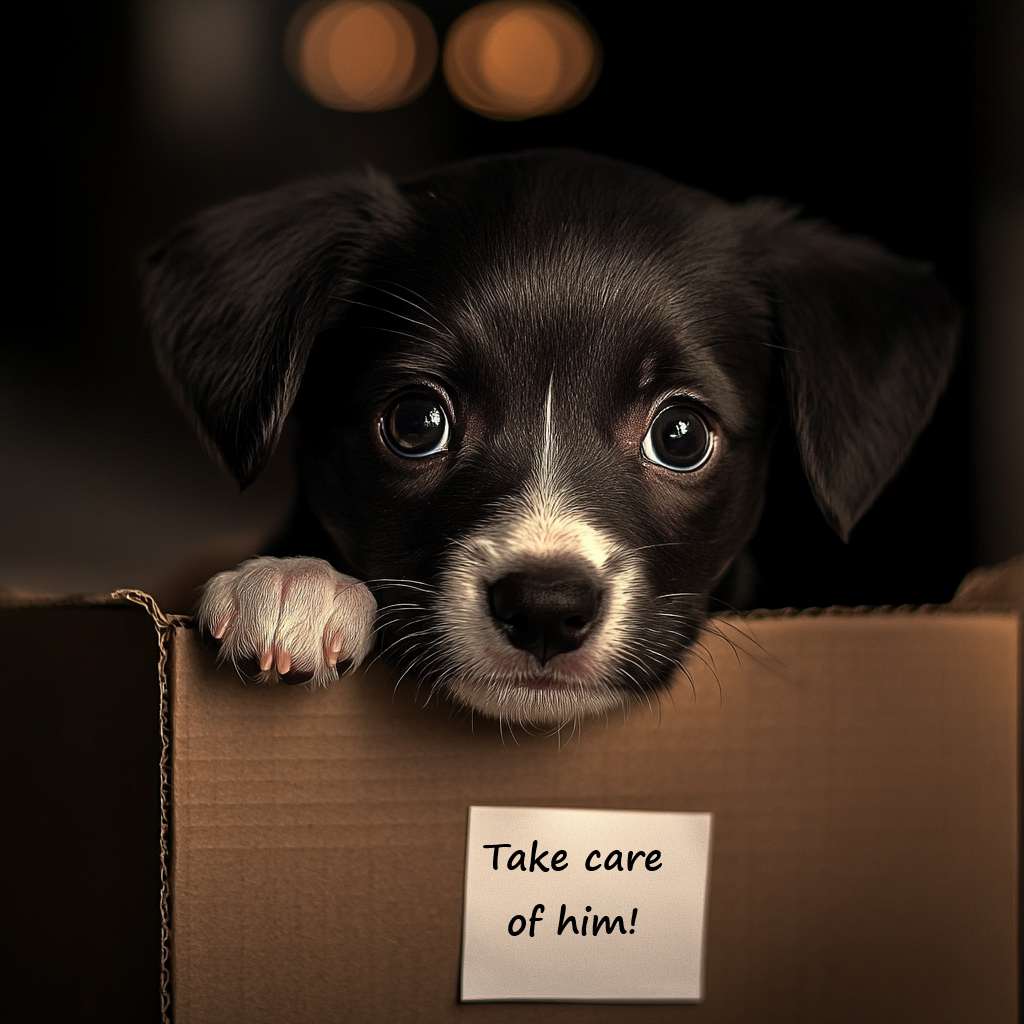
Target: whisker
<point>402,298</point>
<point>403,582</point>
<point>390,330</point>
<point>663,544</point>
<point>391,312</point>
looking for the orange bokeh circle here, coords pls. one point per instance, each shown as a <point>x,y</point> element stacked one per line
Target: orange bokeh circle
<point>363,56</point>
<point>512,61</point>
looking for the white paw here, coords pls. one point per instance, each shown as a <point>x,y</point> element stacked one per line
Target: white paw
<point>294,616</point>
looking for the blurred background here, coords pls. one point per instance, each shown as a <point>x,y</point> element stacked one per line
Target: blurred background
<point>900,122</point>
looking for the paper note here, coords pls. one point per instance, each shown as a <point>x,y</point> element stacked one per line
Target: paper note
<point>584,905</point>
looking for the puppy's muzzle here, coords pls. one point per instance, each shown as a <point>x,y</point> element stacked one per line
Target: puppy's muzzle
<point>547,610</point>
<point>535,609</point>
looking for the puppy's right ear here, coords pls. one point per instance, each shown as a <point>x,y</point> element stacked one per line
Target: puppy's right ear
<point>868,342</point>
<point>237,295</point>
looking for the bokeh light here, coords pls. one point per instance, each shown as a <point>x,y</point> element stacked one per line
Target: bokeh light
<point>511,61</point>
<point>353,55</point>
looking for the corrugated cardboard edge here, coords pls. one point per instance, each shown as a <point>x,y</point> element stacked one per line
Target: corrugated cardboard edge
<point>165,626</point>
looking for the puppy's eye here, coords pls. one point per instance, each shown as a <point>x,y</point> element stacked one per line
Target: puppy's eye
<point>416,426</point>
<point>679,439</point>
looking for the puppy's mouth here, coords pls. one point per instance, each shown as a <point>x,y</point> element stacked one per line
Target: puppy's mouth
<point>566,673</point>
<point>539,683</point>
<point>539,700</point>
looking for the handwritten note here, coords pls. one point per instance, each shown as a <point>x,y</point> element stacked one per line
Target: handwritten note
<point>584,905</point>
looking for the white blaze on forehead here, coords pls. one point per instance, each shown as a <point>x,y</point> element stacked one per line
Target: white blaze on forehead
<point>541,523</point>
<point>545,458</point>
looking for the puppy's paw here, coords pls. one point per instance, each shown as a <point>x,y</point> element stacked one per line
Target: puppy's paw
<point>296,617</point>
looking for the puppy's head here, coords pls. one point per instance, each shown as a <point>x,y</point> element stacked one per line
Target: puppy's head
<point>536,396</point>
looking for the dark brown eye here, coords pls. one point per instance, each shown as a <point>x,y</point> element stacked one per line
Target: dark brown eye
<point>416,426</point>
<point>678,439</point>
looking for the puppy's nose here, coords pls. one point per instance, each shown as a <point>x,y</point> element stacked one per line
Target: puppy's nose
<point>546,611</point>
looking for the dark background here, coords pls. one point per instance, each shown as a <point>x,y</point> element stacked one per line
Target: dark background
<point>882,120</point>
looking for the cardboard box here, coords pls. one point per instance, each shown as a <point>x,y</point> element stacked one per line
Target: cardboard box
<point>861,767</point>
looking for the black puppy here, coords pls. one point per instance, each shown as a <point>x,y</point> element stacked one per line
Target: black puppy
<point>536,396</point>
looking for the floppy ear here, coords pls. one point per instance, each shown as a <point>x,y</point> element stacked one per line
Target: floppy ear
<point>868,342</point>
<point>237,295</point>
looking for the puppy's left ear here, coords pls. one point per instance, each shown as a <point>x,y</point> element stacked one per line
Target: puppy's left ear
<point>868,343</point>
<point>237,296</point>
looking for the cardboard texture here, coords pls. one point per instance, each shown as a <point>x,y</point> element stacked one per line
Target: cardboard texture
<point>861,768</point>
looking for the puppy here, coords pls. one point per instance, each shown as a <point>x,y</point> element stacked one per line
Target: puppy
<point>535,398</point>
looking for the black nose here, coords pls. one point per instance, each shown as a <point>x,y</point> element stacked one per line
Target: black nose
<point>546,611</point>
